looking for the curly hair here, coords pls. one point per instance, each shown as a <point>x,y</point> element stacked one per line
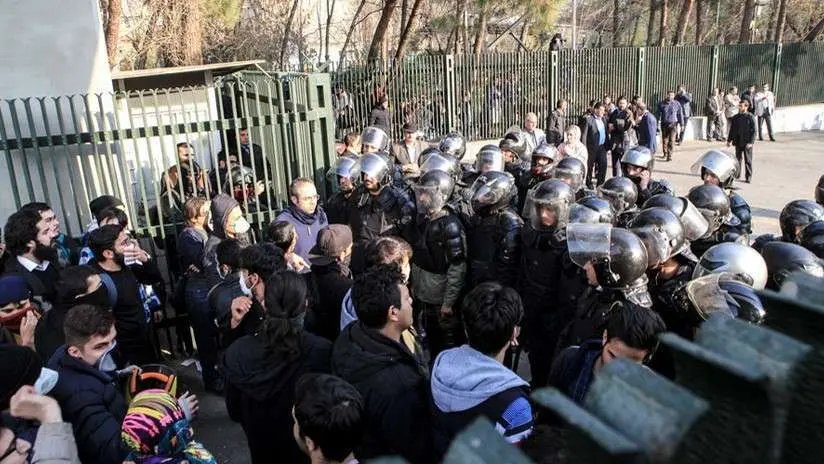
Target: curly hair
<point>20,229</point>
<point>263,259</point>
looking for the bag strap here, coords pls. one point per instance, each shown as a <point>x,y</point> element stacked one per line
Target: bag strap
<point>111,288</point>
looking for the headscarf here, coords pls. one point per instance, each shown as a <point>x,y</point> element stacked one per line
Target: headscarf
<point>156,431</point>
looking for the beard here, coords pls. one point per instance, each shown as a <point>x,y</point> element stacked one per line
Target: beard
<point>45,253</point>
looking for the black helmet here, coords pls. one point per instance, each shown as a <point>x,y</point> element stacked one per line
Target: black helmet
<point>714,204</point>
<point>617,255</point>
<point>377,166</point>
<point>812,238</point>
<point>441,162</point>
<point>546,152</point>
<point>722,165</point>
<point>433,190</point>
<point>695,224</point>
<point>571,171</point>
<point>491,192</point>
<point>662,234</point>
<point>784,258</point>
<point>819,191</point>
<point>489,158</point>
<point>374,137</point>
<point>345,166</point>
<point>453,144</point>
<point>620,192</point>
<point>796,215</point>
<point>240,183</point>
<point>746,264</point>
<point>722,292</point>
<point>591,210</point>
<point>514,142</point>
<point>638,156</point>
<point>427,153</point>
<point>549,198</point>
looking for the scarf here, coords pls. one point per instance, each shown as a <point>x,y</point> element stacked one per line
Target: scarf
<point>308,219</point>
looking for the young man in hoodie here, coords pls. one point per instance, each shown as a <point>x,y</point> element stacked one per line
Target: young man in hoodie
<point>471,381</point>
<point>305,214</point>
<point>631,333</point>
<point>227,222</point>
<point>393,381</point>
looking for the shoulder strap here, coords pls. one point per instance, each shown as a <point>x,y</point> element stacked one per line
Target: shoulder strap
<point>111,288</point>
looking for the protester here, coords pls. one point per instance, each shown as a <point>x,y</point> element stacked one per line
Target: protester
<point>185,178</point>
<point>331,280</point>
<point>572,146</point>
<point>305,214</point>
<point>18,315</point>
<point>471,381</point>
<point>647,127</point>
<point>379,117</point>
<point>714,111</point>
<point>261,370</point>
<point>228,287</point>
<point>283,235</point>
<point>31,242</point>
<point>353,145</point>
<point>556,123</point>
<point>227,223</point>
<point>685,99</point>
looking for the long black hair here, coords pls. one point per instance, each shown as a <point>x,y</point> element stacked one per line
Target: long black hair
<point>286,298</point>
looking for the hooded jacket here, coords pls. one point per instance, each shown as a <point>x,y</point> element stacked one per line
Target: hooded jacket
<point>330,282</point>
<point>467,384</point>
<point>221,206</point>
<point>260,392</point>
<point>395,388</point>
<point>306,226</point>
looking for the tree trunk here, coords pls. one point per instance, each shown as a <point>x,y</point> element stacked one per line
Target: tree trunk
<point>404,15</point>
<point>407,32</point>
<point>746,21</point>
<point>819,26</point>
<point>112,31</point>
<point>460,34</point>
<point>616,23</point>
<point>699,20</point>
<point>380,30</point>
<point>664,27</point>
<point>781,21</point>
<point>349,33</point>
<point>480,36</point>
<point>651,24</point>
<point>330,14</point>
<point>286,29</point>
<point>192,41</point>
<point>683,19</point>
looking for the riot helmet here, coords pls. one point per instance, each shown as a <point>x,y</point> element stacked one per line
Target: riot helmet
<point>547,205</point>
<point>375,171</point>
<point>714,205</point>
<point>241,182</point>
<point>695,224</point>
<point>742,261</point>
<point>374,139</point>
<point>620,192</point>
<point>662,234</point>
<point>543,160</point>
<point>784,258</point>
<point>718,163</point>
<point>591,210</point>
<point>571,171</point>
<point>618,256</point>
<point>721,292</point>
<point>640,157</point>
<point>427,153</point>
<point>453,144</point>
<point>812,238</point>
<point>796,215</point>
<point>441,162</point>
<point>433,191</point>
<point>515,143</point>
<point>345,173</point>
<point>488,159</point>
<point>492,192</point>
<point>819,191</point>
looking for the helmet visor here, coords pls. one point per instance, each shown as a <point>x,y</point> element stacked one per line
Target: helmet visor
<point>574,178</point>
<point>428,198</point>
<point>546,214</point>
<point>438,162</point>
<point>615,198</point>
<point>374,166</point>
<point>656,242</point>
<point>695,224</point>
<point>720,164</point>
<point>707,296</point>
<point>489,161</point>
<point>582,214</point>
<point>588,242</point>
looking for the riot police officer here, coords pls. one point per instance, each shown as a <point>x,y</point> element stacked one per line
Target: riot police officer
<point>346,175</point>
<point>819,191</point>
<point>572,171</point>
<point>439,264</point>
<point>622,194</point>
<point>494,231</point>
<point>740,260</point>
<point>785,258</point>
<point>591,210</point>
<point>695,224</point>
<point>722,292</point>
<point>373,140</point>
<point>795,216</point>
<point>547,276</point>
<point>637,164</point>
<point>377,206</point>
<point>714,204</point>
<point>812,238</point>
<point>718,168</point>
<point>516,162</point>
<point>453,144</point>
<point>543,160</point>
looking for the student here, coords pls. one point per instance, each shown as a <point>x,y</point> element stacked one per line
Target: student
<point>31,242</point>
<point>471,381</point>
<point>328,415</point>
<point>631,333</point>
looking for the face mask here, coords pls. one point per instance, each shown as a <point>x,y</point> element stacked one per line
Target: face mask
<point>99,297</point>
<point>297,321</point>
<point>45,381</point>
<point>244,287</point>
<point>106,362</point>
<point>241,226</point>
<point>220,273</point>
<point>11,319</point>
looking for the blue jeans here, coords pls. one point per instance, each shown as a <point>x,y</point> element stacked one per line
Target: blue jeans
<point>203,325</point>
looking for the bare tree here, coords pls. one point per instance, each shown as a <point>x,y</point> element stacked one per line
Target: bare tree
<point>380,30</point>
<point>330,11</point>
<point>662,33</point>
<point>410,24</point>
<point>616,21</point>
<point>480,35</point>
<point>746,21</point>
<point>683,19</point>
<point>111,28</point>
<point>651,23</point>
<point>781,21</point>
<point>819,26</point>
<point>699,20</point>
<point>350,31</point>
<point>288,27</point>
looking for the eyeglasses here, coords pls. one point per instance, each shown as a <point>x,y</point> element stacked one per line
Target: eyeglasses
<point>310,198</point>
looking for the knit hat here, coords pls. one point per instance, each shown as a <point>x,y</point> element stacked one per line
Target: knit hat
<point>13,288</point>
<point>102,202</point>
<point>332,240</point>
<point>20,366</point>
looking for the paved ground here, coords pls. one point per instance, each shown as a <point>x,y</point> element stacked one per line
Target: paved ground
<point>783,171</point>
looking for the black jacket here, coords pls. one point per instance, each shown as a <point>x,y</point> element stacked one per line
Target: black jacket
<point>43,284</point>
<point>330,281</point>
<point>742,130</point>
<point>338,208</point>
<point>386,213</point>
<point>395,387</point>
<point>260,394</point>
<point>493,245</point>
<point>379,117</point>
<point>91,401</point>
<point>555,125</point>
<point>590,135</point>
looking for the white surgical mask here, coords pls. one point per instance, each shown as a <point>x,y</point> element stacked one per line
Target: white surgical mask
<point>241,226</point>
<point>106,362</point>
<point>244,287</point>
<point>45,381</point>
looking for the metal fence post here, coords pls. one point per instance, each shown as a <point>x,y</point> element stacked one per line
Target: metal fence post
<point>450,99</point>
<point>640,80</point>
<point>553,79</point>
<point>714,68</point>
<point>777,67</point>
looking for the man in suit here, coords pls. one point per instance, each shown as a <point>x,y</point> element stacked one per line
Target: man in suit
<point>556,123</point>
<point>647,127</point>
<point>742,135</point>
<point>409,149</point>
<point>595,138</point>
<point>714,111</point>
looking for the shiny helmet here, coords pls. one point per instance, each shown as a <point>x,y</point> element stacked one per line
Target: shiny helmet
<point>784,258</point>
<point>571,171</point>
<point>718,163</point>
<point>433,191</point>
<point>638,156</point>
<point>376,166</point>
<point>489,158</point>
<point>662,234</point>
<point>695,224</point>
<point>714,205</point>
<point>742,261</point>
<point>543,160</point>
<point>453,144</point>
<point>722,293</point>
<point>796,215</point>
<point>441,162</point>
<point>620,192</point>
<point>374,139</point>
<point>618,256</point>
<point>427,153</point>
<point>547,205</point>
<point>492,192</point>
<point>591,210</point>
<point>345,173</point>
<point>515,143</point>
<point>819,191</point>
<point>812,238</point>
<point>241,182</point>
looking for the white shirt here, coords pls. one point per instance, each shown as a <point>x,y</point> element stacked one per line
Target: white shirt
<point>31,266</point>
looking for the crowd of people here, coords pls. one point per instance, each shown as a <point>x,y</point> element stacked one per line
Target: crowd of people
<point>387,318</point>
